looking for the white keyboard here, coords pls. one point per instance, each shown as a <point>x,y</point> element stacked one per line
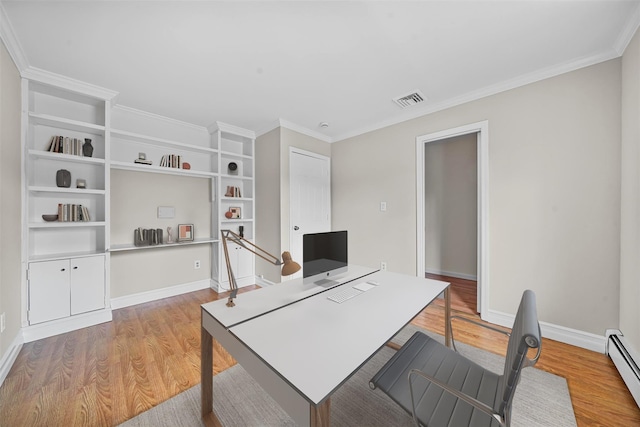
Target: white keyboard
<point>344,295</point>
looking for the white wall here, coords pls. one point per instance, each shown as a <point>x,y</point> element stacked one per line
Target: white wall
<point>451,218</point>
<point>630,232</point>
<point>554,194</point>
<point>10,194</point>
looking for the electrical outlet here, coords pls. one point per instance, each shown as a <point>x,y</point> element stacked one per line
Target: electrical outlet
<point>3,325</point>
<point>383,265</point>
<point>383,206</point>
<point>196,264</point>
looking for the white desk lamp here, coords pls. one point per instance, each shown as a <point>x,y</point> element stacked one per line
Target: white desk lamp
<point>288,265</point>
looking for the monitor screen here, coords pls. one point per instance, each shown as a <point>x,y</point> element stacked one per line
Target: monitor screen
<point>324,255</point>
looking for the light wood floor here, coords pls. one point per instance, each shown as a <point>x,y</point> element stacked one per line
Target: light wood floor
<point>106,374</point>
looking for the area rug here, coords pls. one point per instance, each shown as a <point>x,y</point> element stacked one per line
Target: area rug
<point>542,399</point>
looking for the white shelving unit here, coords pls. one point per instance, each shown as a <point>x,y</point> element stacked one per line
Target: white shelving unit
<point>70,249</point>
<point>236,192</point>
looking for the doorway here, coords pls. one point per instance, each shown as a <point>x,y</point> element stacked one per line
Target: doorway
<point>310,198</point>
<point>480,131</point>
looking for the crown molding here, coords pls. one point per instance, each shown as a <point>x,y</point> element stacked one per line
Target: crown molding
<point>223,127</point>
<point>47,77</point>
<point>526,79</point>
<point>628,31</point>
<point>158,117</point>
<point>303,130</point>
<point>8,36</point>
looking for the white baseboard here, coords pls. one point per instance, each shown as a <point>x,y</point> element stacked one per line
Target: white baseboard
<point>10,356</point>
<point>570,336</point>
<point>156,294</point>
<point>452,274</point>
<point>262,282</point>
<point>68,324</point>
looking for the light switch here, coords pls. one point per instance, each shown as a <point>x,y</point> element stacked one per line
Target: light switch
<point>383,206</point>
<point>166,212</point>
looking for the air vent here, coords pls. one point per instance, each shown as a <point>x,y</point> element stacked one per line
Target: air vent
<point>413,98</point>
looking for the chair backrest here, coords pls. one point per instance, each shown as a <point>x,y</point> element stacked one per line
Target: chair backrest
<point>525,334</point>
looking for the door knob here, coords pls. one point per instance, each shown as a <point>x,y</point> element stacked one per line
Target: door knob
<point>296,228</point>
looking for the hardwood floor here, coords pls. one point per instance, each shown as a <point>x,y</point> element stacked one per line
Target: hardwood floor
<point>106,374</point>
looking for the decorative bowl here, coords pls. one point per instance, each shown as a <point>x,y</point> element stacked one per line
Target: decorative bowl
<point>50,217</point>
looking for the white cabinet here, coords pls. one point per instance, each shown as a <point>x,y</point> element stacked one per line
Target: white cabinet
<point>241,261</point>
<point>65,287</point>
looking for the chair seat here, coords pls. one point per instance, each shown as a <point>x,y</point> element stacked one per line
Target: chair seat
<point>435,407</point>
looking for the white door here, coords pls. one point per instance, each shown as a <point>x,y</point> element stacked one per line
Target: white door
<point>48,290</point>
<point>310,198</point>
<point>87,284</point>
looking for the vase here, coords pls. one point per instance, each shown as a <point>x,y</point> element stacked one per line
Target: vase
<point>87,148</point>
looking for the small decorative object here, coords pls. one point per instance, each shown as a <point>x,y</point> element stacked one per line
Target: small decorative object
<point>235,212</point>
<point>233,168</point>
<point>185,232</point>
<point>81,183</point>
<point>63,178</point>
<point>50,217</point>
<point>87,148</point>
<point>228,215</point>
<point>241,231</point>
<point>142,159</point>
<point>186,165</point>
<point>169,235</point>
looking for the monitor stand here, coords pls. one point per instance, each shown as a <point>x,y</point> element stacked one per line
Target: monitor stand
<point>326,283</point>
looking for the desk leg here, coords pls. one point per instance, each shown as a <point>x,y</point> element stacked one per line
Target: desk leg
<point>320,415</point>
<point>447,316</point>
<point>206,371</point>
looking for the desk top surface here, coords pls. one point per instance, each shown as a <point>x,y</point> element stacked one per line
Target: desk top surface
<point>316,344</point>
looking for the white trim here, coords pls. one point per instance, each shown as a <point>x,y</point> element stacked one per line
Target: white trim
<point>64,82</point>
<point>11,42</point>
<point>627,33</point>
<point>158,117</point>
<point>10,356</point>
<point>482,130</point>
<point>451,274</point>
<point>563,334</point>
<point>223,127</point>
<point>148,296</point>
<point>262,282</point>
<point>68,324</point>
<point>296,128</point>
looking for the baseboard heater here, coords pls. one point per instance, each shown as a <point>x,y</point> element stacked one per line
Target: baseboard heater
<point>621,355</point>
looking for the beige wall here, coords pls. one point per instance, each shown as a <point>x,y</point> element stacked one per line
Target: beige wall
<point>554,194</point>
<point>630,219</point>
<point>269,215</point>
<point>10,194</point>
<point>450,188</point>
<point>135,197</point>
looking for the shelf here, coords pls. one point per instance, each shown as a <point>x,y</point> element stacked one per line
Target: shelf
<point>65,157</point>
<point>59,122</point>
<point>226,175</point>
<point>160,169</point>
<point>130,247</point>
<point>235,221</point>
<point>237,199</point>
<point>161,142</point>
<point>66,224</point>
<point>63,190</point>
<point>228,154</point>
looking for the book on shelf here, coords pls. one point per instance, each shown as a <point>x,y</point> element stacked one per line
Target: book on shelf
<point>171,161</point>
<point>73,213</point>
<point>65,145</point>
<point>233,191</point>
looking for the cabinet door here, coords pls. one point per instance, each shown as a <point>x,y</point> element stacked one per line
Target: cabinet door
<point>244,263</point>
<point>87,284</point>
<point>48,291</point>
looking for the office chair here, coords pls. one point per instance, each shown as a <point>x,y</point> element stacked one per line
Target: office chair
<point>440,387</point>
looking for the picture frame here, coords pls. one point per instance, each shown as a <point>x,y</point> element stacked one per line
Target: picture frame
<point>185,232</point>
<point>236,212</point>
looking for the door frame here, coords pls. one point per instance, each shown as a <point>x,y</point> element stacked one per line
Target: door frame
<point>482,131</point>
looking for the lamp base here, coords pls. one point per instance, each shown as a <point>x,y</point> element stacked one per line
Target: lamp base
<point>230,302</point>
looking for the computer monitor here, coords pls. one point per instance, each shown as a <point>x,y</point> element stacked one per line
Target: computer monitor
<point>324,255</point>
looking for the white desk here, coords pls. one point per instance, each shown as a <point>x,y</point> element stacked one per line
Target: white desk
<point>300,346</point>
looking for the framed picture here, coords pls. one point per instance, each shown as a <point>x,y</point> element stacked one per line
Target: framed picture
<point>235,212</point>
<point>185,232</point>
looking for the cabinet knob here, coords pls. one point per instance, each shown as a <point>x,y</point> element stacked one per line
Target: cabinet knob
<point>62,269</point>
<point>75,267</point>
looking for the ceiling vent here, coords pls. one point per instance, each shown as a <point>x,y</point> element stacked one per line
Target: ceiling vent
<point>413,98</point>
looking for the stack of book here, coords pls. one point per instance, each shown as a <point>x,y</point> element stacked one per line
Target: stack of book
<point>171,161</point>
<point>71,213</point>
<point>233,191</point>
<point>65,145</point>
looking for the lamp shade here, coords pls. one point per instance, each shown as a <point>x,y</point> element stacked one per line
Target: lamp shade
<point>289,266</point>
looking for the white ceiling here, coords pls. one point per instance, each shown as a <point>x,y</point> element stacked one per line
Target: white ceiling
<point>252,64</point>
